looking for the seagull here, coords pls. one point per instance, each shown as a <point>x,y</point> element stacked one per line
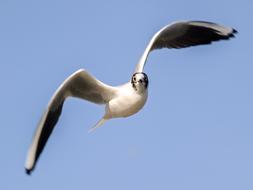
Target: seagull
<point>129,98</point>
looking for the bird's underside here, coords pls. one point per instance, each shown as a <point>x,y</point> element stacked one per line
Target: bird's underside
<point>83,85</point>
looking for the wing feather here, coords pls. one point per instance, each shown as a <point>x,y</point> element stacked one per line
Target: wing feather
<point>81,85</point>
<point>185,34</point>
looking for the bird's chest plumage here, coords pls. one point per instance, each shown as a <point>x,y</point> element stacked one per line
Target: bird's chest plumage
<point>127,103</point>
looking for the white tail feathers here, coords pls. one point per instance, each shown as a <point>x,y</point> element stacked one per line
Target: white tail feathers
<point>98,124</point>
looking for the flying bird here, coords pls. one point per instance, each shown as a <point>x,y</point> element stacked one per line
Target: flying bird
<point>126,99</point>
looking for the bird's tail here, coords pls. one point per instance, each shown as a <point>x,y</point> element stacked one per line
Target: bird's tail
<point>98,124</point>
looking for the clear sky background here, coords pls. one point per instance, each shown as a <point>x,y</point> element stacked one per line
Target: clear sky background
<point>194,133</point>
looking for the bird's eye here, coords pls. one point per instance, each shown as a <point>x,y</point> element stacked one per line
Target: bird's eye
<point>134,78</point>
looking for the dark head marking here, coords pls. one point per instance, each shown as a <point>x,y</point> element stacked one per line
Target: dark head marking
<point>141,78</point>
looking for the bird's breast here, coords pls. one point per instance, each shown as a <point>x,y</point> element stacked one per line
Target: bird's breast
<point>125,105</point>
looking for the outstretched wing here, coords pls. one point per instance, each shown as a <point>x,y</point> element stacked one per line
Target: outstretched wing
<point>81,85</point>
<point>185,34</point>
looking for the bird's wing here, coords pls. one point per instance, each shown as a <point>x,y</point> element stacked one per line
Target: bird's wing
<point>184,34</point>
<point>80,84</point>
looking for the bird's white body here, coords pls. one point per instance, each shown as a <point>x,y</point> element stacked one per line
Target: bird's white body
<point>127,99</point>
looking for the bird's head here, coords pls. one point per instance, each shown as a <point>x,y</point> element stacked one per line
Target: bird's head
<point>139,81</point>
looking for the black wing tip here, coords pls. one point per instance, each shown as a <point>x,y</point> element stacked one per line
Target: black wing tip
<point>28,171</point>
<point>233,33</point>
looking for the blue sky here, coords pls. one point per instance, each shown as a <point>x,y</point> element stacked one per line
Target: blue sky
<point>194,133</point>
